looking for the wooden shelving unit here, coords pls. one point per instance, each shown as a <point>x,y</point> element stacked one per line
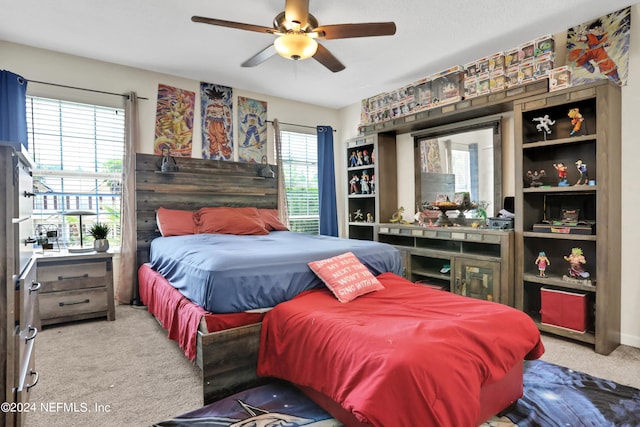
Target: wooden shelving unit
<point>366,208</point>
<point>480,261</point>
<point>597,144</point>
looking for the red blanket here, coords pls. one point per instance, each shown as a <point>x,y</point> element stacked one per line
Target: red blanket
<point>407,355</point>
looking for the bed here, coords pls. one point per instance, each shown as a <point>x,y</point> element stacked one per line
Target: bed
<point>405,354</point>
<point>225,345</point>
<point>222,338</point>
<point>227,273</point>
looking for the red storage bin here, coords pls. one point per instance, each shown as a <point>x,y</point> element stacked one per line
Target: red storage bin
<point>564,309</point>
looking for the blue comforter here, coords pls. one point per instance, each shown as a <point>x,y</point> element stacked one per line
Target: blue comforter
<point>226,273</point>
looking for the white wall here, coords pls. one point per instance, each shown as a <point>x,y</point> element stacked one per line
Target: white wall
<point>51,67</point>
<point>46,66</point>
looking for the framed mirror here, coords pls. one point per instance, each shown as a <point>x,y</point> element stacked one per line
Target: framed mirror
<point>458,159</point>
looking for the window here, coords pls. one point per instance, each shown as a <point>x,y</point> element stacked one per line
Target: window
<point>78,151</point>
<point>300,163</point>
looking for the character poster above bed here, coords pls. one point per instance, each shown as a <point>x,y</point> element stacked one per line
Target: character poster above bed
<point>174,121</point>
<point>599,49</point>
<point>252,134</point>
<point>217,121</point>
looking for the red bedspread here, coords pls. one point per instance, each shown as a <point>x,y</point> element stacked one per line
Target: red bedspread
<point>407,355</point>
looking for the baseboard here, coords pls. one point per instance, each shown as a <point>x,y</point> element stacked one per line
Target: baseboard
<point>630,340</point>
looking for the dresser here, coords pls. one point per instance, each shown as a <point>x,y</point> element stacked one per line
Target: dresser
<point>75,286</point>
<point>19,288</point>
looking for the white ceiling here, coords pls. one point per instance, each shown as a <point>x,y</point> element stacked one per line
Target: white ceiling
<point>158,35</point>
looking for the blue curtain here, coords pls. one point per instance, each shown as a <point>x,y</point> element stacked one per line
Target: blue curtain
<point>13,108</point>
<point>327,182</point>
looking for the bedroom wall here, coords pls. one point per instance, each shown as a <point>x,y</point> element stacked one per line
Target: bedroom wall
<point>47,66</point>
<point>52,67</point>
<point>630,319</point>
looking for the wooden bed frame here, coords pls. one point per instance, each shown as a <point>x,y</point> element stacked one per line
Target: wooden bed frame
<point>228,359</point>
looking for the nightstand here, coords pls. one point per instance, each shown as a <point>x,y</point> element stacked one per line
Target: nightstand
<point>75,286</point>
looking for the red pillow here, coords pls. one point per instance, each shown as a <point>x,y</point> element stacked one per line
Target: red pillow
<point>346,276</point>
<point>226,220</point>
<point>272,220</point>
<point>175,222</point>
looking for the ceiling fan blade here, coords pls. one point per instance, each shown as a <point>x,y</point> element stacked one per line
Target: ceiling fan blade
<point>260,57</point>
<point>346,31</point>
<point>297,11</point>
<point>327,59</point>
<point>231,24</point>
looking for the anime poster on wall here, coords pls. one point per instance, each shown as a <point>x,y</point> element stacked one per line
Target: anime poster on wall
<point>217,121</point>
<point>252,134</point>
<point>599,49</point>
<point>174,121</point>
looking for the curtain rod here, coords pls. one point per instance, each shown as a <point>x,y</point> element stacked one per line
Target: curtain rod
<point>81,88</point>
<point>293,124</point>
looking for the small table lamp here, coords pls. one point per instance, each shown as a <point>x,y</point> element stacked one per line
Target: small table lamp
<point>79,214</point>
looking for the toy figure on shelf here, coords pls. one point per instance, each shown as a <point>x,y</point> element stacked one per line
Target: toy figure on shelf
<point>358,216</point>
<point>397,218</point>
<point>353,159</point>
<point>584,174</point>
<point>562,174</point>
<point>353,184</point>
<point>543,125</point>
<point>535,177</point>
<point>360,160</point>
<point>369,217</point>
<point>576,120</point>
<point>576,259</point>
<point>364,183</point>
<point>372,183</point>
<point>365,157</point>
<point>542,262</point>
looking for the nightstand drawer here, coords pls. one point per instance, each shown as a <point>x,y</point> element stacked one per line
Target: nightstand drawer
<point>73,305</point>
<point>66,276</point>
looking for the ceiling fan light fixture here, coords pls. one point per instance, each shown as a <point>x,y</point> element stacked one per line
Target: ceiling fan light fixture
<point>295,45</point>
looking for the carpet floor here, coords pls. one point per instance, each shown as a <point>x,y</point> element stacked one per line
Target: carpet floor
<point>128,373</point>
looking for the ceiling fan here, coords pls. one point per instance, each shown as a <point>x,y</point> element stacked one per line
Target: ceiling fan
<point>297,30</point>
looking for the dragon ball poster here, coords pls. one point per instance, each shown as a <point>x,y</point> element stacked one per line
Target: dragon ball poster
<point>174,121</point>
<point>599,49</point>
<point>217,121</point>
<point>252,124</point>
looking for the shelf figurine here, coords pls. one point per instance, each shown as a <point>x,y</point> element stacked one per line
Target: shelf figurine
<point>353,160</point>
<point>576,121</point>
<point>372,183</point>
<point>357,216</point>
<point>369,217</point>
<point>562,174</point>
<point>543,124</point>
<point>576,272</point>
<point>397,217</point>
<point>353,184</point>
<point>364,183</point>
<point>360,158</point>
<point>542,261</point>
<point>535,177</point>
<point>365,157</point>
<point>584,174</point>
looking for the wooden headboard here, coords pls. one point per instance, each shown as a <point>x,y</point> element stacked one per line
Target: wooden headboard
<point>197,183</point>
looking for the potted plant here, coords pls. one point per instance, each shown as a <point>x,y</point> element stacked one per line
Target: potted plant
<point>100,231</point>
